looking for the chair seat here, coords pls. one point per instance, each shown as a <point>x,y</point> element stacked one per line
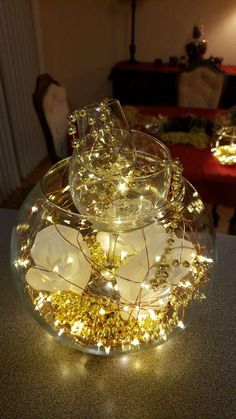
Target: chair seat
<point>56,110</point>
<point>51,105</point>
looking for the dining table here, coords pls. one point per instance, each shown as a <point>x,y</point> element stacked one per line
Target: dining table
<point>215,182</point>
<point>192,375</point>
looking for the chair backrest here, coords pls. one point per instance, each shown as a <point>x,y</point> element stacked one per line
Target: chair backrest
<point>51,105</point>
<point>201,87</point>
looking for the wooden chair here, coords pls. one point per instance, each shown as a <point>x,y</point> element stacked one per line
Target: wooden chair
<point>201,86</point>
<point>50,102</point>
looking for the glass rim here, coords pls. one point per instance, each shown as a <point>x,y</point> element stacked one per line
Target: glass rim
<point>167,158</point>
<point>97,104</point>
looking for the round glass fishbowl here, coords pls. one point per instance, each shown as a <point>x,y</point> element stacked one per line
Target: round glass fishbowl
<point>116,269</point>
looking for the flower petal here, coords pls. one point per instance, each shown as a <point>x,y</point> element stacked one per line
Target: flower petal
<point>61,251</point>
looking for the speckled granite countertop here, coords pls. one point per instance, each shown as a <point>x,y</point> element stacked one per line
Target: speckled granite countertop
<point>191,376</point>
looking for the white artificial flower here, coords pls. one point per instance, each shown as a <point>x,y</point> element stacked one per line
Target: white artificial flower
<point>59,254</point>
<point>143,248</point>
<point>130,243</point>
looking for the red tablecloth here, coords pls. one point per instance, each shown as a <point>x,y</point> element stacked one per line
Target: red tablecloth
<point>215,183</point>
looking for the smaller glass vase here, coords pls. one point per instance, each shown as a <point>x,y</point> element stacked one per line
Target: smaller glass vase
<point>223,146</point>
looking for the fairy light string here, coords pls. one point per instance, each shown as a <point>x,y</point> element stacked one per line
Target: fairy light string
<point>100,320</point>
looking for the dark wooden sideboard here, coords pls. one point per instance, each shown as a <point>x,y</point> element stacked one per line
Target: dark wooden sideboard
<point>147,84</point>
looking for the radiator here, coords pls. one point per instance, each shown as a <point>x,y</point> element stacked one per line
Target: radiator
<point>22,144</point>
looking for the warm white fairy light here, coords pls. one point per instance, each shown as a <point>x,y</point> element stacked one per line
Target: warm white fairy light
<point>34,209</point>
<point>77,327</point>
<point>190,208</point>
<point>123,254</point>
<point>40,301</point>
<point>146,336</point>
<point>66,188</point>
<point>61,331</point>
<point>118,221</point>
<point>135,342</point>
<point>122,187</point>
<point>162,334</point>
<point>145,285</point>
<point>102,311</point>
<point>124,359</point>
<point>185,284</point>
<point>22,262</point>
<point>52,197</point>
<point>202,258</point>
<point>22,227</point>
<point>152,314</point>
<point>107,349</point>
<point>39,306</point>
<point>142,316</point>
<point>181,324</point>
<point>106,274</point>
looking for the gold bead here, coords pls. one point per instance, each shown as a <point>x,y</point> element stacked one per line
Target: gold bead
<point>103,105</point>
<point>91,121</point>
<point>82,113</point>
<point>186,264</point>
<point>71,117</point>
<point>74,143</point>
<point>103,117</point>
<point>175,262</point>
<point>71,129</point>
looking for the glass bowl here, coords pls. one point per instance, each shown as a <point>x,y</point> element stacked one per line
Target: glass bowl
<point>107,291</point>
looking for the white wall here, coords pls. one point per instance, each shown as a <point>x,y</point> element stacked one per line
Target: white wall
<point>169,26</point>
<point>82,39</point>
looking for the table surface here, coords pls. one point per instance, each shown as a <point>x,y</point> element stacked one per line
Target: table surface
<point>190,376</point>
